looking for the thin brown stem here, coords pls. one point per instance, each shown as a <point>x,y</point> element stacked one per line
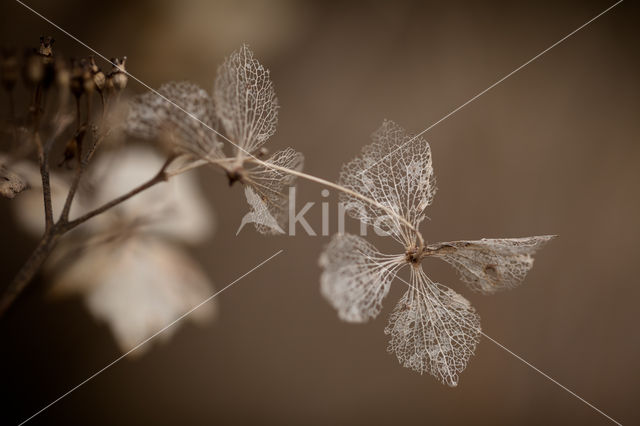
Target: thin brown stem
<point>28,270</point>
<point>83,163</point>
<point>344,190</point>
<point>43,159</point>
<point>161,176</point>
<point>57,230</point>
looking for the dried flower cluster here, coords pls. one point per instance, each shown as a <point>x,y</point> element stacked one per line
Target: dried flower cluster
<point>389,186</point>
<point>243,109</point>
<point>433,329</point>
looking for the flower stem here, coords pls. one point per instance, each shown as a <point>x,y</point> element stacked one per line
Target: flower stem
<point>344,190</point>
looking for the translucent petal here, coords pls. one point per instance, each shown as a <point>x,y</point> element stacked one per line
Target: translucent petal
<point>246,100</point>
<point>396,171</point>
<point>490,265</point>
<point>356,277</point>
<point>176,209</point>
<point>433,329</point>
<point>152,117</point>
<point>272,186</point>
<point>259,215</point>
<point>137,286</point>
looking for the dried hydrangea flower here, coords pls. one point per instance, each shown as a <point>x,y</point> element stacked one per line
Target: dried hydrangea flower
<point>244,111</point>
<point>433,329</point>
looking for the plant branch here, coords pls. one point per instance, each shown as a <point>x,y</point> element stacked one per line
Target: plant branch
<point>161,176</point>
<point>344,190</point>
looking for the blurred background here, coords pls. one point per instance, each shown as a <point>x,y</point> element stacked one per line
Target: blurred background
<point>552,150</point>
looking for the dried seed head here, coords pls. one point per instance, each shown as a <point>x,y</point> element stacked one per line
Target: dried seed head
<point>46,49</point>
<point>118,74</point>
<point>9,68</point>
<point>98,76</point>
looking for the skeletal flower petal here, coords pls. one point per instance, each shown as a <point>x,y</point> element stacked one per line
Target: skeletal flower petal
<point>153,117</point>
<point>272,187</point>
<point>259,215</point>
<point>245,100</point>
<point>490,265</point>
<point>137,286</point>
<point>433,329</point>
<point>11,184</point>
<point>356,277</point>
<point>396,171</point>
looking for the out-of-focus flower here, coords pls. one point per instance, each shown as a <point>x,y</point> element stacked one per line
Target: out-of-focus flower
<point>433,329</point>
<point>129,263</point>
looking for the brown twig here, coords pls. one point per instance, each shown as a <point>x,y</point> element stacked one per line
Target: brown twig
<point>58,229</point>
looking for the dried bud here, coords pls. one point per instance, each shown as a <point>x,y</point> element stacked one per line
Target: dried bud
<point>99,78</point>
<point>46,49</point>
<point>118,74</point>
<point>9,69</point>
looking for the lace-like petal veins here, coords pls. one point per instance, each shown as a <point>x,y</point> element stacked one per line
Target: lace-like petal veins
<point>396,171</point>
<point>246,100</point>
<point>272,186</point>
<point>356,277</point>
<point>433,329</point>
<point>490,265</point>
<point>259,215</point>
<point>152,117</point>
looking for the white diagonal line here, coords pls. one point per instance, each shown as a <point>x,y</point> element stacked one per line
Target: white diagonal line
<point>496,83</point>
<point>189,114</point>
<point>94,375</point>
<point>511,352</point>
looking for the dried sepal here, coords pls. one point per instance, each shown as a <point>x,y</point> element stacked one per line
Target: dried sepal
<point>490,265</point>
<point>396,171</point>
<point>246,101</point>
<point>271,186</point>
<point>356,277</point>
<point>433,329</point>
<point>11,183</point>
<point>153,117</point>
<point>259,214</point>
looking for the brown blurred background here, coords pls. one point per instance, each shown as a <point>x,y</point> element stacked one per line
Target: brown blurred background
<point>552,150</point>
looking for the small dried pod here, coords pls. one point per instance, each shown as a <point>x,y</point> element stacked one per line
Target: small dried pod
<point>118,74</point>
<point>46,49</point>
<point>99,79</point>
<point>9,68</point>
